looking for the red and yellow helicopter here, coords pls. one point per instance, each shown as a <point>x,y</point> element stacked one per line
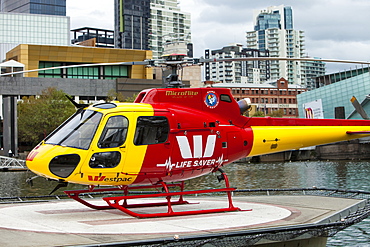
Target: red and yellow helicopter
<point>167,136</point>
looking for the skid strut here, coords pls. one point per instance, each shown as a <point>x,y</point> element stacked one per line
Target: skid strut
<point>75,194</point>
<point>121,202</point>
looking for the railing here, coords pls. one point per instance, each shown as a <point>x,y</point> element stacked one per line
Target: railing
<point>11,163</point>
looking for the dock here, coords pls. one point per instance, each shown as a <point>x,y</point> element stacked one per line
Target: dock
<point>304,216</point>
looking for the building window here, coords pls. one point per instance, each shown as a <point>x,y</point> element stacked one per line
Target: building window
<point>83,72</point>
<point>90,72</point>
<point>50,73</point>
<point>114,72</point>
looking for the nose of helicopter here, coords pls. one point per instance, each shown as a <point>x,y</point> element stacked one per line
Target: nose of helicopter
<point>52,161</point>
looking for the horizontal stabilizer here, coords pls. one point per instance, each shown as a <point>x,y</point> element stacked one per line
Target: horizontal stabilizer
<point>359,108</point>
<point>365,132</point>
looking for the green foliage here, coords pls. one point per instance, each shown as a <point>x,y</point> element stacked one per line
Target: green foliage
<point>131,99</point>
<point>114,95</point>
<point>259,114</point>
<point>37,117</point>
<point>278,113</point>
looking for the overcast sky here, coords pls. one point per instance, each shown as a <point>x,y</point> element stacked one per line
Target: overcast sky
<point>334,29</point>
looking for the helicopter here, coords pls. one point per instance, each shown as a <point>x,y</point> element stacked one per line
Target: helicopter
<point>166,137</point>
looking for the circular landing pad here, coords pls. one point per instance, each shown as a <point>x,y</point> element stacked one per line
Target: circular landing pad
<point>73,217</point>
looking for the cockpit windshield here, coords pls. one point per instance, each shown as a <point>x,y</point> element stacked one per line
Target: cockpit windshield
<point>78,131</point>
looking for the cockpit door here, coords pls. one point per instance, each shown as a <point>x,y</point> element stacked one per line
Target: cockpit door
<point>108,149</point>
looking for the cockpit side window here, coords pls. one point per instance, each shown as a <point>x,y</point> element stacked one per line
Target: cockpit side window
<point>114,133</point>
<point>151,130</point>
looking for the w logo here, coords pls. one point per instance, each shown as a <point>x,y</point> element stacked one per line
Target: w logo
<point>185,149</point>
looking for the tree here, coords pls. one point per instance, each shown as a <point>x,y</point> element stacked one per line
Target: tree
<point>259,114</point>
<point>131,99</point>
<point>38,116</point>
<point>278,113</point>
<point>114,95</point>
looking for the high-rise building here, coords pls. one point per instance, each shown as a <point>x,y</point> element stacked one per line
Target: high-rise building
<point>33,22</point>
<point>273,31</point>
<point>168,23</point>
<point>45,7</point>
<point>131,24</point>
<point>149,24</point>
<point>237,71</point>
<point>313,71</point>
<point>18,28</point>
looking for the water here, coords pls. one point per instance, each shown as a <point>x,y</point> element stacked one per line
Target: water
<point>353,175</point>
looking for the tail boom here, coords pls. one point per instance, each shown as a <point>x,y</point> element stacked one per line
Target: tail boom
<point>281,135</point>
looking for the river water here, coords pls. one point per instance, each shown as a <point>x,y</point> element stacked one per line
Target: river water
<point>352,175</point>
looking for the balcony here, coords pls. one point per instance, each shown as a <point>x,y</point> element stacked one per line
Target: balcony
<point>251,35</point>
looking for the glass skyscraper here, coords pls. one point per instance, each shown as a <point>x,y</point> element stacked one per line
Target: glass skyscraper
<point>42,22</point>
<point>273,31</point>
<point>132,24</point>
<point>44,7</point>
<point>149,24</point>
<point>281,18</point>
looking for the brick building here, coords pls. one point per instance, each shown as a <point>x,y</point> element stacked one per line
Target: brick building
<point>269,97</point>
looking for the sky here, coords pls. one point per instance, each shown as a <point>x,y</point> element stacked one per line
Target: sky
<point>334,29</point>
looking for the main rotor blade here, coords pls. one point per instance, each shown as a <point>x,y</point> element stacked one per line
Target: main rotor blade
<point>192,61</point>
<point>210,60</point>
<point>359,108</point>
<point>77,66</point>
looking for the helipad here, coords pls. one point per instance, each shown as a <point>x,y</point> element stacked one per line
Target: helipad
<point>65,222</point>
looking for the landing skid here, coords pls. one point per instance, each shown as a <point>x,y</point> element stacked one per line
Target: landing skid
<point>121,202</point>
<point>75,194</point>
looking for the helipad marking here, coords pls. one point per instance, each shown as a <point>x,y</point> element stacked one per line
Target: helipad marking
<point>72,217</point>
